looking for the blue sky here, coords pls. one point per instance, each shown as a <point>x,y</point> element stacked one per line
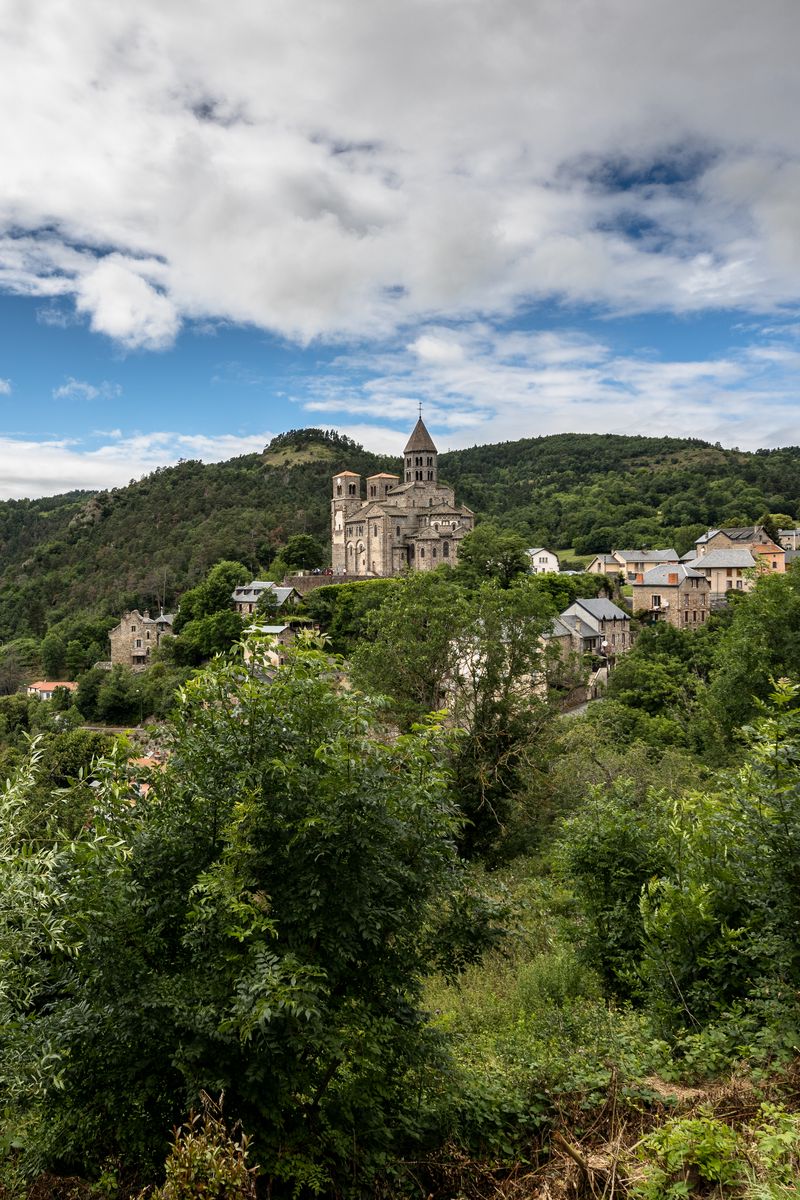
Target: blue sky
<point>533,217</point>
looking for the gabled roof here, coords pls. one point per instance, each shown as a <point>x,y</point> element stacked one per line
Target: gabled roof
<point>669,575</point>
<point>603,610</point>
<point>726,556</point>
<point>653,556</point>
<point>559,628</point>
<point>420,440</point>
<point>576,625</point>
<point>355,474</point>
<point>383,475</point>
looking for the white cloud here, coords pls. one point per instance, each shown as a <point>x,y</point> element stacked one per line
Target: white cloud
<point>342,169</point>
<point>80,389</point>
<point>508,386</point>
<point>31,467</point>
<point>5,387</point>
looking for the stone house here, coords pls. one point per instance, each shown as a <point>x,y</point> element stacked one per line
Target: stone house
<point>246,598</point>
<point>789,538</point>
<point>679,595</point>
<point>543,562</point>
<point>273,639</point>
<point>599,627</point>
<point>398,526</point>
<point>770,556</point>
<point>136,636</point>
<point>727,569</point>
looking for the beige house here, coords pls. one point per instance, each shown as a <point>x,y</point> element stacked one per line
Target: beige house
<point>727,570</point>
<point>678,595</point>
<point>398,526</point>
<point>630,563</point>
<point>136,636</point>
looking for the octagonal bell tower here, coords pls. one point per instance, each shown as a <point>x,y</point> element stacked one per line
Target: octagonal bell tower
<point>420,457</point>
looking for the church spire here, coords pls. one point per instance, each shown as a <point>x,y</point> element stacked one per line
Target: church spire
<point>420,455</point>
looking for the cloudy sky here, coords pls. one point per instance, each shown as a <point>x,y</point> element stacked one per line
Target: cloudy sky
<point>222,221</point>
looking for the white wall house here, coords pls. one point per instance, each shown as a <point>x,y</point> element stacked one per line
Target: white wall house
<point>543,562</point>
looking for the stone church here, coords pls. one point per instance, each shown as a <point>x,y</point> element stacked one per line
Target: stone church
<point>397,526</point>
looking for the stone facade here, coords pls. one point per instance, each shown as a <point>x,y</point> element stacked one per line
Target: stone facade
<point>679,596</point>
<point>136,636</point>
<point>397,526</point>
<point>597,626</point>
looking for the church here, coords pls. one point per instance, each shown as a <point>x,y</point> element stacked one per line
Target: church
<point>409,525</point>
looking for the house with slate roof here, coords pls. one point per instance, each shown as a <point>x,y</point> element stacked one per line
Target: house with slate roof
<point>413,524</point>
<point>727,569</point>
<point>630,562</point>
<point>768,554</point>
<point>246,598</point>
<point>599,627</point>
<point>678,595</point>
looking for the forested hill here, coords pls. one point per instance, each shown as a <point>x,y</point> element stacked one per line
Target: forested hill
<point>98,553</point>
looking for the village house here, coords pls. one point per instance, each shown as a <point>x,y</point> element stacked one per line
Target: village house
<point>678,595</point>
<point>272,640</point>
<point>46,689</point>
<point>543,562</point>
<point>411,525</point>
<point>630,563</point>
<point>789,538</point>
<point>136,636</point>
<point>770,556</point>
<point>246,598</point>
<point>597,626</point>
<point>727,570</point>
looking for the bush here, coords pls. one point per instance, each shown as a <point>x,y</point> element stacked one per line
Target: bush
<point>205,1159</point>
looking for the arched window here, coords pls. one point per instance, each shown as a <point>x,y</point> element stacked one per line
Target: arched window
<point>445,549</point>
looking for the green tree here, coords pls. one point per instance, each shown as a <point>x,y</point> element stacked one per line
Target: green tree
<point>53,652</point>
<point>408,652</point>
<point>303,552</point>
<point>213,595</point>
<point>492,553</point>
<point>260,922</point>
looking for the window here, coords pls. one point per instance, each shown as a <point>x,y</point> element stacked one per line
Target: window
<point>445,549</point>
<point>138,643</point>
<point>685,601</point>
<point>351,489</point>
<point>418,461</point>
<point>430,474</point>
<point>397,531</point>
<point>133,629</point>
<point>422,551</point>
<point>373,491</point>
<point>433,552</point>
<point>430,461</point>
<point>148,635</point>
<point>655,601</point>
<point>739,583</point>
<point>338,489</point>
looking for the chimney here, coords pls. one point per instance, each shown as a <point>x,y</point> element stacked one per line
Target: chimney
<point>672,577</point>
<point>639,578</point>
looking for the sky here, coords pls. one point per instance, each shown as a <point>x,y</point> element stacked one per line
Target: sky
<point>219,222</point>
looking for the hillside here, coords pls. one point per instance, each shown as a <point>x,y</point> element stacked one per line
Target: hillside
<point>98,553</point>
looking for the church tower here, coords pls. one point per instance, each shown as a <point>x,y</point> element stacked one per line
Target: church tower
<point>346,500</point>
<point>420,456</point>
